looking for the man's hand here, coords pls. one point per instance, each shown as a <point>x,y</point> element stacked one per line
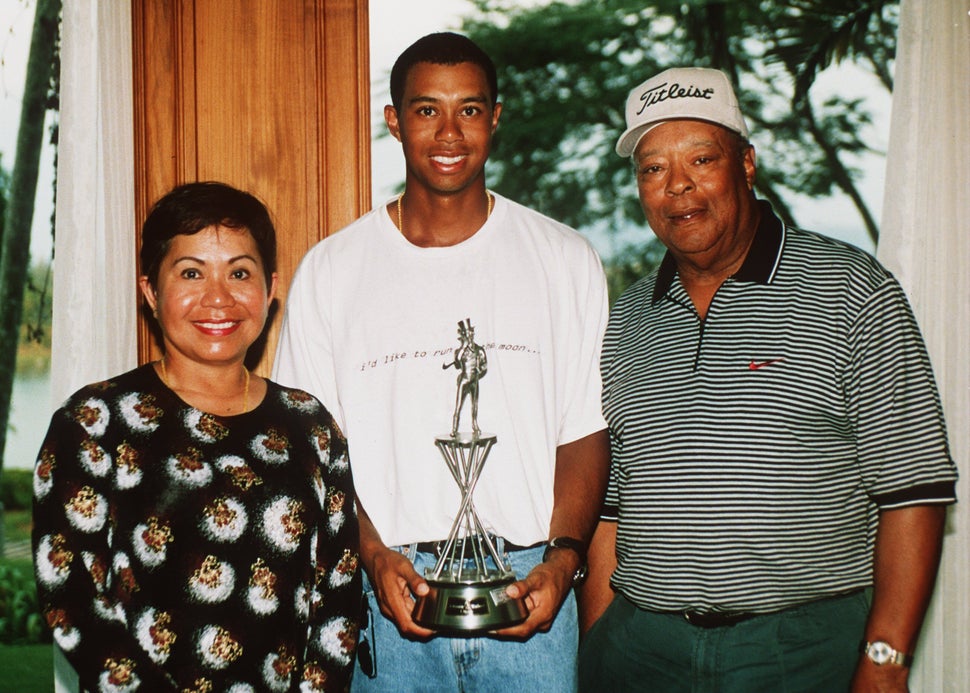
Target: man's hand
<point>395,581</point>
<point>393,577</point>
<point>544,589</point>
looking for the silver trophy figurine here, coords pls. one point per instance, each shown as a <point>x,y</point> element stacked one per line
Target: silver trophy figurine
<point>468,582</point>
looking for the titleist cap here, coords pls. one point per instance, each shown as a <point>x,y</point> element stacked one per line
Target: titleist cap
<point>677,93</point>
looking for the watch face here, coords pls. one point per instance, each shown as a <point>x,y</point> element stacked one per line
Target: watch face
<point>880,652</point>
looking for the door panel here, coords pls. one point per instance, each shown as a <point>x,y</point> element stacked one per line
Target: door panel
<point>269,96</point>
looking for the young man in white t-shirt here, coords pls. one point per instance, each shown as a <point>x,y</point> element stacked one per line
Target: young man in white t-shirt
<point>370,321</point>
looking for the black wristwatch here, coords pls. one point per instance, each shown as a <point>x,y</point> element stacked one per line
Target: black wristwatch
<point>573,545</point>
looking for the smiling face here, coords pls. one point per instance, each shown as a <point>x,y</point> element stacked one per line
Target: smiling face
<point>445,126</point>
<point>695,185</point>
<point>211,297</point>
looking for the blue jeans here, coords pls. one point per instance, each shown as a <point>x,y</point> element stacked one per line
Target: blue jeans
<point>544,662</point>
<point>810,648</point>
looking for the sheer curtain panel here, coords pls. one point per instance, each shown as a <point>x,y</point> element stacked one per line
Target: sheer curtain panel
<point>94,268</point>
<point>926,242</point>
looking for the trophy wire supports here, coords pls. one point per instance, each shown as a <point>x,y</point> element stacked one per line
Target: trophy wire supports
<point>468,582</point>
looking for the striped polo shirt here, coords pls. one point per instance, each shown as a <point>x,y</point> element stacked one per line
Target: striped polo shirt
<point>753,449</point>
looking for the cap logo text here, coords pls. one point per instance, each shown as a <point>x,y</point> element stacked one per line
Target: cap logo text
<point>663,92</point>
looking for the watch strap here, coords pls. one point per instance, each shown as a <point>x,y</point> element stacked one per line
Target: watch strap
<point>572,544</point>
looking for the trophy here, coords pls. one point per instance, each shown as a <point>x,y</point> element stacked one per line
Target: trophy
<point>468,582</point>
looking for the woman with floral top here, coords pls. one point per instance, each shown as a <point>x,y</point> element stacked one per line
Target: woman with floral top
<point>194,524</point>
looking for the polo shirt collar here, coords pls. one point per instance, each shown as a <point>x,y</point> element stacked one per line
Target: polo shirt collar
<point>759,266</point>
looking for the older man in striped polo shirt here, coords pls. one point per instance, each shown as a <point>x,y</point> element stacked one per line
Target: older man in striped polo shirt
<point>780,469</point>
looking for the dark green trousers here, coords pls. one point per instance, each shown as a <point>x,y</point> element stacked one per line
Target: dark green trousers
<point>809,648</point>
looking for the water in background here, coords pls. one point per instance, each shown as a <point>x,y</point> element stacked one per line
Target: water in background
<point>30,414</point>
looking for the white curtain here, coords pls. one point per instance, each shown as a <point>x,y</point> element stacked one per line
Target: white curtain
<point>94,283</point>
<point>925,241</point>
<point>94,267</point>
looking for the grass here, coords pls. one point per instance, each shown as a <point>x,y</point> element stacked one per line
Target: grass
<point>26,669</point>
<point>33,359</point>
<point>17,525</point>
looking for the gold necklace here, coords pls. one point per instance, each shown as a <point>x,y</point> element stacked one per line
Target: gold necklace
<point>400,215</point>
<point>165,380</point>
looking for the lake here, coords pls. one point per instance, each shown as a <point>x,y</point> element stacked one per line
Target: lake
<point>30,414</point>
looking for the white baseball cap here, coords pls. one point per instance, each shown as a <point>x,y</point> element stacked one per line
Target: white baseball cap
<point>677,93</point>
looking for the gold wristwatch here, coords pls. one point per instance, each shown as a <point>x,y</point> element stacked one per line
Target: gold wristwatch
<point>881,652</point>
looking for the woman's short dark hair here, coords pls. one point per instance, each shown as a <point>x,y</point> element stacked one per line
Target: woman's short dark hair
<point>444,48</point>
<point>190,208</point>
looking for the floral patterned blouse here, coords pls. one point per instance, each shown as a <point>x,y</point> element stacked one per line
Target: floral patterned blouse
<point>177,550</point>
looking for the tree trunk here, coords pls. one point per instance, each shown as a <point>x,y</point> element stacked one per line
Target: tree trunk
<point>15,250</point>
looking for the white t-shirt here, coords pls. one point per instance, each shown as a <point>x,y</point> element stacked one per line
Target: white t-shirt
<point>371,320</point>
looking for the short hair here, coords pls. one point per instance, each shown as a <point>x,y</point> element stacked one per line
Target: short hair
<point>444,48</point>
<point>740,142</point>
<point>190,208</point>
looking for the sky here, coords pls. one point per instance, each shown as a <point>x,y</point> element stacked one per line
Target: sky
<point>394,26</point>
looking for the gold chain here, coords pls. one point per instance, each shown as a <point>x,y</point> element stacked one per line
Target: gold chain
<point>400,215</point>
<point>245,387</point>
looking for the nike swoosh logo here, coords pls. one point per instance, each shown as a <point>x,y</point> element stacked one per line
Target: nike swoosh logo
<point>755,365</point>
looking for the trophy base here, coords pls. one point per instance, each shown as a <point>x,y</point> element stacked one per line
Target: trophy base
<point>466,609</point>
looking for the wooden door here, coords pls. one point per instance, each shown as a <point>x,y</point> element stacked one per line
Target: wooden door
<point>270,96</point>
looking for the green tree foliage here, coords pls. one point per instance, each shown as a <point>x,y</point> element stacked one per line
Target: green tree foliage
<point>20,618</point>
<point>632,263</point>
<point>4,194</point>
<point>19,212</point>
<point>565,69</point>
<point>34,348</point>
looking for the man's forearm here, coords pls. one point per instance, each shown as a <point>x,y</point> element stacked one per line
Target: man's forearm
<point>907,555</point>
<point>596,594</point>
<point>370,539</point>
<point>582,470</point>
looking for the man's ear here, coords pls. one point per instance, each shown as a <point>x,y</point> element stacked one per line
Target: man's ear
<point>390,117</point>
<point>496,112</point>
<point>749,166</point>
